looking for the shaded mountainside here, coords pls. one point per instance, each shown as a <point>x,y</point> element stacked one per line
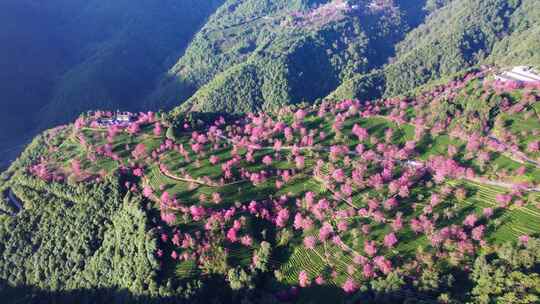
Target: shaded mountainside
<point>60,58</point>
<point>419,199</point>
<point>124,57</point>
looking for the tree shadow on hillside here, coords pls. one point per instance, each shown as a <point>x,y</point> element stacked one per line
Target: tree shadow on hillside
<point>218,294</point>
<point>32,295</point>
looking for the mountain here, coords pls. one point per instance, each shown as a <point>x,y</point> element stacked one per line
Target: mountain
<point>421,198</point>
<point>28,58</point>
<point>456,35</point>
<point>278,151</point>
<point>131,52</point>
<point>396,50</point>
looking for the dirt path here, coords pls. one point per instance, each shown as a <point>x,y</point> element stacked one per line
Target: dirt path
<point>197,181</point>
<point>502,184</point>
<point>520,158</point>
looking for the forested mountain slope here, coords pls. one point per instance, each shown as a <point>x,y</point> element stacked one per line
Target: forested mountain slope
<point>125,55</point>
<point>455,36</point>
<point>363,49</point>
<point>464,33</point>
<point>430,196</point>
<point>30,57</point>
<point>262,54</point>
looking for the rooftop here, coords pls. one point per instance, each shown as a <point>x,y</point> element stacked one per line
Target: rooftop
<point>524,74</point>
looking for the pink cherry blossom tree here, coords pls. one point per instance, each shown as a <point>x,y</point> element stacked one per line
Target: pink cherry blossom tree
<point>303,279</point>
<point>158,130</point>
<point>390,240</point>
<point>350,286</point>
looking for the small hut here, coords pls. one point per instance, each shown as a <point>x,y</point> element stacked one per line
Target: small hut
<point>124,116</point>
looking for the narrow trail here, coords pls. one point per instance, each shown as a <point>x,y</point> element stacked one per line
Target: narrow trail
<point>198,181</point>
<point>182,179</point>
<point>502,184</point>
<point>520,157</point>
<point>287,148</point>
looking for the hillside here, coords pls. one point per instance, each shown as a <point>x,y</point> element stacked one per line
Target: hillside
<point>128,55</point>
<point>246,57</point>
<point>291,51</point>
<point>456,35</point>
<point>463,34</point>
<point>423,198</point>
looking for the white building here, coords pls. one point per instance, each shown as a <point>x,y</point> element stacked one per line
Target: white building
<point>521,74</point>
<point>124,116</point>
